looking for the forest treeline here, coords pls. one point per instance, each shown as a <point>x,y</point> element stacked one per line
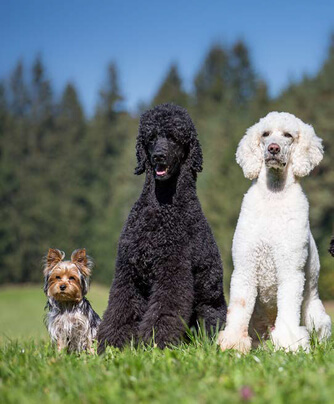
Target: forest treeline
<point>66,180</point>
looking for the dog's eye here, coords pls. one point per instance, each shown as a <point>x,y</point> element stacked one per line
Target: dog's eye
<point>151,139</point>
<point>265,134</point>
<point>171,138</point>
<point>286,134</point>
<point>71,278</point>
<point>58,277</point>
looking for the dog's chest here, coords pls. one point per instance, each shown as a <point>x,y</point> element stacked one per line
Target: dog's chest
<point>68,325</point>
<point>152,239</point>
<point>154,233</point>
<point>266,274</point>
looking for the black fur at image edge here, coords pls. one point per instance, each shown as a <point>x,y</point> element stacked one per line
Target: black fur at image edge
<point>168,269</point>
<point>331,247</point>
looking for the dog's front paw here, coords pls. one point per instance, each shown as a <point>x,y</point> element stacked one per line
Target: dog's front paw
<point>230,339</point>
<point>114,337</point>
<point>317,319</point>
<point>291,339</point>
<point>324,329</point>
<point>147,334</point>
<point>166,331</point>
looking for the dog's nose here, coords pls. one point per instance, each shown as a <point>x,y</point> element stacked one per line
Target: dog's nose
<point>159,156</point>
<point>274,148</point>
<point>62,287</point>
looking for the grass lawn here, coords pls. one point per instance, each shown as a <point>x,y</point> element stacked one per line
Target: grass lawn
<point>22,310</point>
<point>32,371</point>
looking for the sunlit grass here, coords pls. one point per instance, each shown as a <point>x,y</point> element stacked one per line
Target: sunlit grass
<point>22,310</point>
<point>31,370</point>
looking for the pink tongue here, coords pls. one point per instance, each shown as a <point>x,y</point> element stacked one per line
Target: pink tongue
<point>161,172</point>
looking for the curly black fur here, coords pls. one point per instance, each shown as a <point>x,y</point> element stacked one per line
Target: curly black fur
<point>331,247</point>
<point>168,268</point>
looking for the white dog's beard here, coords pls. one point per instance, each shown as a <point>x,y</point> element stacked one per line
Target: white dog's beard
<point>272,162</point>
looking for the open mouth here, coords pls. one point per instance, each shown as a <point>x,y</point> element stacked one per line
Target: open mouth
<point>161,170</point>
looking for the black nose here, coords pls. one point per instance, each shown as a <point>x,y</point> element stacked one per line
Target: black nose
<point>274,148</point>
<point>62,287</point>
<point>159,156</point>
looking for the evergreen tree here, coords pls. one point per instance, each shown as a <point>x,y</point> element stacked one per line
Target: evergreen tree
<point>107,136</point>
<point>20,101</point>
<point>211,82</point>
<point>42,102</point>
<point>68,153</point>
<point>8,186</point>
<point>110,97</point>
<point>171,89</point>
<point>242,75</point>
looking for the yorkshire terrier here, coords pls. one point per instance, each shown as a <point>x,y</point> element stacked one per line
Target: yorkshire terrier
<point>71,321</point>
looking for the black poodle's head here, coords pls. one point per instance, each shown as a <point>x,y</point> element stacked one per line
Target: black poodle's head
<point>167,139</point>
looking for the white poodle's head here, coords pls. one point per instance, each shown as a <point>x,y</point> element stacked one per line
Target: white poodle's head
<point>278,140</point>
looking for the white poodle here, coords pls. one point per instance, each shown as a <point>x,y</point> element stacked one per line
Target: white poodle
<point>274,286</point>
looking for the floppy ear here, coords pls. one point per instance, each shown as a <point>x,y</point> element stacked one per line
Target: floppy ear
<point>82,261</point>
<point>307,152</point>
<point>195,157</point>
<point>141,156</point>
<point>249,153</point>
<point>53,257</point>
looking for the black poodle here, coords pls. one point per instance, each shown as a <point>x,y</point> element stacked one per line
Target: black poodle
<point>168,269</point>
<point>331,247</point>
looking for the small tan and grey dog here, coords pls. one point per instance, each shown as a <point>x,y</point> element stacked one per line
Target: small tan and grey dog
<point>71,321</point>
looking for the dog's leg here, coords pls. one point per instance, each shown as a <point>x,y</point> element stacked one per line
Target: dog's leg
<point>89,345</point>
<point>288,333</point>
<point>61,344</point>
<point>242,300</point>
<point>243,292</point>
<point>120,320</point>
<point>170,305</point>
<point>209,296</point>
<point>213,317</point>
<point>314,315</point>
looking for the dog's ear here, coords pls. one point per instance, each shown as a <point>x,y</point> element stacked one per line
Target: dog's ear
<point>52,258</point>
<point>307,151</point>
<point>83,262</point>
<point>79,256</point>
<point>249,154</point>
<point>141,156</point>
<point>195,156</point>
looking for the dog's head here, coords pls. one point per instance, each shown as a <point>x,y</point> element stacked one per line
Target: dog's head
<point>67,281</point>
<point>167,139</point>
<point>277,140</point>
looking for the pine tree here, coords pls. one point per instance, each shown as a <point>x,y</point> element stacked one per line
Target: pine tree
<point>8,186</point>
<point>20,101</point>
<point>69,155</point>
<point>243,80</point>
<point>107,135</point>
<point>171,89</point>
<point>212,81</point>
<point>110,97</point>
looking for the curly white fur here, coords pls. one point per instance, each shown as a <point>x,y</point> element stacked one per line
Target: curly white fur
<point>274,286</point>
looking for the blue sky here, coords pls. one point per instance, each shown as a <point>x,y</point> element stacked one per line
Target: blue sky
<point>78,38</point>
